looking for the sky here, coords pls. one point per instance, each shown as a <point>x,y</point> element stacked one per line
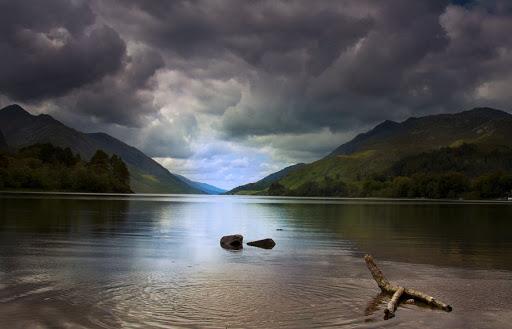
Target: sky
<point>228,91</point>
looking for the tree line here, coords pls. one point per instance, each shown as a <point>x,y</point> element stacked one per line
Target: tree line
<point>45,167</point>
<point>467,171</point>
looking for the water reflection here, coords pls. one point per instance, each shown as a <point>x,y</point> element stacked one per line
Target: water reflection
<point>156,262</point>
<point>439,234</point>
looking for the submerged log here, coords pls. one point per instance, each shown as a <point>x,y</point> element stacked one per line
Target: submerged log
<point>392,289</point>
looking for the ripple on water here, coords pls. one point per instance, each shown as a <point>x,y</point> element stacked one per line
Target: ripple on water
<point>248,296</point>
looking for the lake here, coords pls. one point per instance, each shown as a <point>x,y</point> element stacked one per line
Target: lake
<point>152,261</point>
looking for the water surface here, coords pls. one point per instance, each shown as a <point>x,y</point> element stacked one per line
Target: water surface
<point>89,261</point>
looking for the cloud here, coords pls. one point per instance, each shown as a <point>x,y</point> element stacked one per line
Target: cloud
<point>178,91</point>
<point>169,137</point>
<point>262,33</point>
<point>48,50</point>
<point>125,98</point>
<point>303,147</point>
<point>223,164</point>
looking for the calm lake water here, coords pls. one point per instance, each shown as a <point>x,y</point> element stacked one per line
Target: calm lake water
<point>86,261</point>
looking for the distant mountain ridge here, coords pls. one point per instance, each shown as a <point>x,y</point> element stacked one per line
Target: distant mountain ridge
<point>373,153</point>
<point>204,187</point>
<point>430,131</point>
<point>20,128</point>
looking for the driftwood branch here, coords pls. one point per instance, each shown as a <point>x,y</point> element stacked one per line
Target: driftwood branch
<point>389,312</point>
<point>392,289</point>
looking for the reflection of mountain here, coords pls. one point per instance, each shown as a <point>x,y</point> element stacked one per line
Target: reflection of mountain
<point>446,234</point>
<point>460,235</point>
<point>77,215</point>
<point>20,129</point>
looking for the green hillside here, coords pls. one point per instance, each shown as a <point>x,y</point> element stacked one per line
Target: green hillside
<point>370,157</point>
<point>44,167</point>
<point>261,186</point>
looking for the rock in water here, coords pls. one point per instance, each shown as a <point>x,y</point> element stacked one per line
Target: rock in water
<point>265,243</point>
<point>232,242</point>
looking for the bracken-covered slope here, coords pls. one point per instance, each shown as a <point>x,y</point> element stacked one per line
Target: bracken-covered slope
<point>263,184</point>
<point>20,128</point>
<point>375,151</point>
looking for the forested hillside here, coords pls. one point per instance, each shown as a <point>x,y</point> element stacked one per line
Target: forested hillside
<point>461,155</point>
<point>44,167</point>
<point>467,171</point>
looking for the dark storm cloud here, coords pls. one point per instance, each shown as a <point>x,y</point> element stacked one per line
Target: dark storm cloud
<point>51,47</point>
<point>329,64</point>
<point>123,98</point>
<point>275,36</point>
<point>262,69</point>
<point>418,58</point>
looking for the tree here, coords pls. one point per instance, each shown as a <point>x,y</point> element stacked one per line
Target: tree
<point>100,161</point>
<point>401,187</point>
<point>51,168</point>
<point>496,185</point>
<point>276,189</point>
<point>120,174</point>
<point>333,187</point>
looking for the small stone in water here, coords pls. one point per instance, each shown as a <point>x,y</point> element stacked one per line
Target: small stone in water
<point>265,243</point>
<point>233,242</point>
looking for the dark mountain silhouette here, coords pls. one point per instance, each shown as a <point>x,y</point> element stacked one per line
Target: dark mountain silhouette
<point>20,129</point>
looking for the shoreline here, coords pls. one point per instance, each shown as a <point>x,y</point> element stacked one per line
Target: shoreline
<point>265,197</point>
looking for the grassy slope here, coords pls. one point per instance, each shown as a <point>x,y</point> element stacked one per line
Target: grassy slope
<point>260,187</point>
<point>375,152</point>
<point>339,167</point>
<point>146,183</point>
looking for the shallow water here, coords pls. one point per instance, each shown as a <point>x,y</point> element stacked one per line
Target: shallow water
<point>87,261</point>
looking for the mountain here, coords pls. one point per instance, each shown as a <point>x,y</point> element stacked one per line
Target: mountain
<point>263,184</point>
<point>481,125</point>
<point>373,153</point>
<point>3,143</point>
<point>203,187</point>
<point>21,128</point>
